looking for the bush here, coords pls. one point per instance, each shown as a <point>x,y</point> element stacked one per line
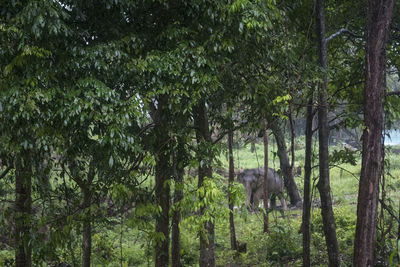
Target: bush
<point>282,245</point>
<point>7,258</point>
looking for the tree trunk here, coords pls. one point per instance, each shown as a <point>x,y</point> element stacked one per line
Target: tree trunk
<point>230,181</point>
<point>162,191</point>
<point>162,188</point>
<point>161,117</point>
<point>23,206</point>
<point>178,196</point>
<point>323,134</point>
<point>307,187</point>
<point>87,221</point>
<point>265,183</point>
<point>87,228</point>
<point>203,136</point>
<point>378,21</point>
<point>287,171</point>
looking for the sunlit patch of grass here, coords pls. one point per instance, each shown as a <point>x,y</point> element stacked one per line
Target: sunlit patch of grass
<point>344,183</point>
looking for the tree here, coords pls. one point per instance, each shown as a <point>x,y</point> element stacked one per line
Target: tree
<point>93,117</point>
<point>379,15</point>
<point>204,157</point>
<point>180,162</point>
<point>89,142</point>
<point>163,175</point>
<point>23,203</point>
<point>265,183</point>
<point>231,179</point>
<point>27,43</point>
<point>287,169</point>
<point>307,185</point>
<point>323,134</point>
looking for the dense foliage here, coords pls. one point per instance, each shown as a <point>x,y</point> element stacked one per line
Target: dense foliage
<point>114,118</point>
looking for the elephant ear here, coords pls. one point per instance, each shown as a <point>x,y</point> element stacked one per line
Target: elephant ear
<point>238,171</point>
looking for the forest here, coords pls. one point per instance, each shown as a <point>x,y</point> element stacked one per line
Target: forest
<point>204,133</point>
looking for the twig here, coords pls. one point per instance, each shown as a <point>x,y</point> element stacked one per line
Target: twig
<point>5,172</point>
<point>343,169</point>
<point>388,209</point>
<point>394,93</point>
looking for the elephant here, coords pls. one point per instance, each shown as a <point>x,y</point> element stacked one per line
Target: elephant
<point>252,180</point>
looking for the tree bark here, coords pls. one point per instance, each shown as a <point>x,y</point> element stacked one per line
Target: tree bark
<point>203,136</point>
<point>87,229</point>
<point>162,187</point>
<point>265,183</point>
<point>323,184</point>
<point>178,196</point>
<point>23,207</point>
<point>307,187</point>
<point>162,191</point>
<point>230,183</point>
<point>87,221</point>
<point>287,171</point>
<point>378,21</point>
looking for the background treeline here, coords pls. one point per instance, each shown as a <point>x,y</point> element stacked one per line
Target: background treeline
<point>115,114</point>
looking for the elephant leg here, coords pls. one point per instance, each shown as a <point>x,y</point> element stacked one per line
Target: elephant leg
<point>256,203</point>
<point>273,201</point>
<point>257,196</point>
<point>283,202</point>
<point>249,195</point>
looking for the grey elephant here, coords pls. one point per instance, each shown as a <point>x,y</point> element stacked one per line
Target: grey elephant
<point>253,179</point>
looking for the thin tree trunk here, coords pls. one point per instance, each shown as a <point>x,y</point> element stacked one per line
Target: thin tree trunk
<point>307,187</point>
<point>292,136</point>
<point>23,207</point>
<point>87,221</point>
<point>265,183</point>
<point>87,229</point>
<point>178,196</point>
<point>287,171</point>
<point>323,134</point>
<point>162,192</point>
<point>379,17</point>
<point>203,136</point>
<point>230,182</point>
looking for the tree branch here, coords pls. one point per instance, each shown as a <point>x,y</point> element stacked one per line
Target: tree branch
<point>223,134</point>
<point>388,210</point>
<point>341,31</point>
<point>393,93</point>
<point>5,172</point>
<point>336,34</point>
